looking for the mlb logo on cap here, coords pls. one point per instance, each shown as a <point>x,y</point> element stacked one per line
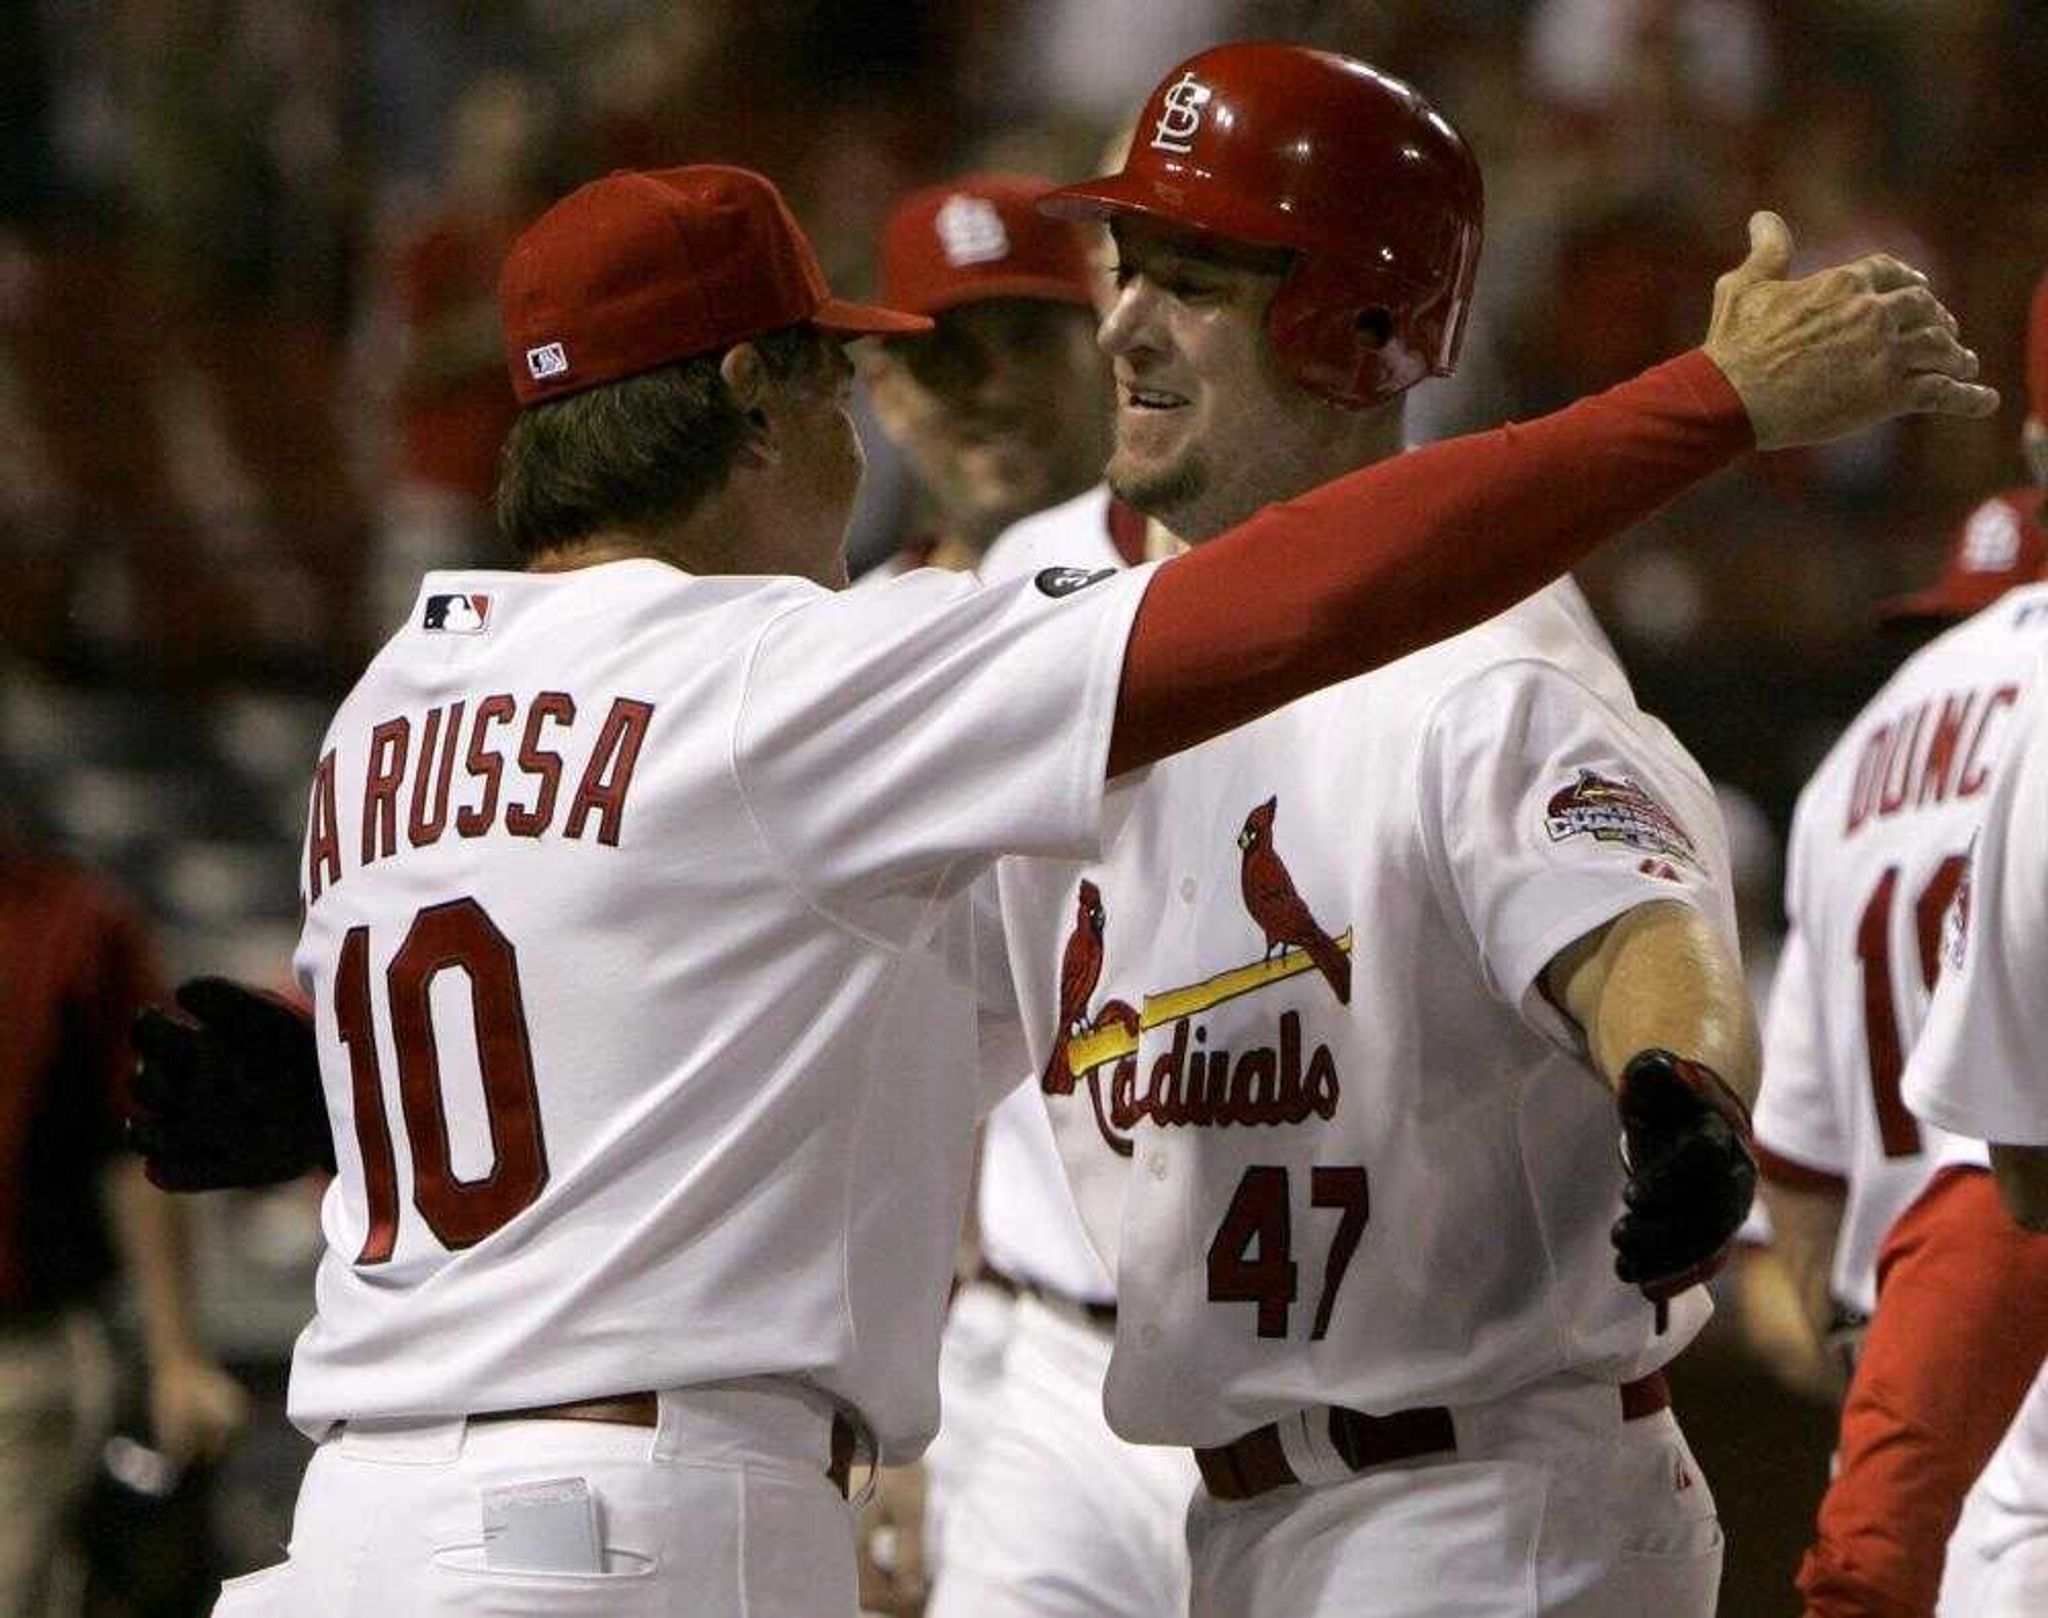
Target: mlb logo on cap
<point>457,614</point>
<point>545,361</point>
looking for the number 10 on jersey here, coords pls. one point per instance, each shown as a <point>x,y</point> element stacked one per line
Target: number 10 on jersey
<point>458,936</point>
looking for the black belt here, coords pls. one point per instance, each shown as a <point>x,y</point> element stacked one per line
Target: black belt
<point>1257,1462</point>
<point>1100,1314</point>
<point>644,1410</point>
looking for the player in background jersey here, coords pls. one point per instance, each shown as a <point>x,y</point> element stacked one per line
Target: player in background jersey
<point>1880,840</point>
<point>1003,408</point>
<point>685,1170</point>
<point>1324,1028</point>
<point>1981,1070</point>
<point>76,962</point>
<point>1036,1507</point>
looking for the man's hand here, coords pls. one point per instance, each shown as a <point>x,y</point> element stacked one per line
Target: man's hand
<point>1840,350</point>
<point>1690,1174</point>
<point>231,1097</point>
<point>195,1407</point>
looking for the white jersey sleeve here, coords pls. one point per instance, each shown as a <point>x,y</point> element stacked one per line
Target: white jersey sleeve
<point>1980,1068</point>
<point>1796,1117</point>
<point>891,741</point>
<point>1550,812</point>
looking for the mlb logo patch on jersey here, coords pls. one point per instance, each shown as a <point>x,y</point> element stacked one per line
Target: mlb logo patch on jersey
<point>548,360</point>
<point>457,614</point>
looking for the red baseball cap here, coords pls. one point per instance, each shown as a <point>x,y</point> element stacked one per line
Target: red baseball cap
<point>981,236</point>
<point>642,268</point>
<point>2000,545</point>
<point>2037,353</point>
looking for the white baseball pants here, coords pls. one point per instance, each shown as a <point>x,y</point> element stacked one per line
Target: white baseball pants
<point>723,1509</point>
<point>1997,1564</point>
<point>1060,1518</point>
<point>1552,1506</point>
<point>970,1380</point>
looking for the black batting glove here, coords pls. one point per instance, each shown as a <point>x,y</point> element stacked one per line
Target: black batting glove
<point>1691,1177</point>
<point>228,1096</point>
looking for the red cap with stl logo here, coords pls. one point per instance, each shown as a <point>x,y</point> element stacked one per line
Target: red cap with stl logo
<point>2001,545</point>
<point>981,236</point>
<point>640,269</point>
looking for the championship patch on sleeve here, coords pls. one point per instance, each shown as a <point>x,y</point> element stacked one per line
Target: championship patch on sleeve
<point>1611,810</point>
<point>1064,581</point>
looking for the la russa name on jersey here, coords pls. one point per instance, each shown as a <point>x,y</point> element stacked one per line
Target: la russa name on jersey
<point>1934,750</point>
<point>495,764</point>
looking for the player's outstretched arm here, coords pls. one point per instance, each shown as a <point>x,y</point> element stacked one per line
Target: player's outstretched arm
<point>1390,558</point>
<point>1668,1023</point>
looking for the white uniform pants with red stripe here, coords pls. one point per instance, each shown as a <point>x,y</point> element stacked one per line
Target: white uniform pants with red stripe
<point>1552,1507</point>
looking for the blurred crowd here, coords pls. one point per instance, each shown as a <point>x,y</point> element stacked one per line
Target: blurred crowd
<point>250,384</point>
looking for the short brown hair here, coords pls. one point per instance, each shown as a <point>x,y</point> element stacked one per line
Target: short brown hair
<point>633,454</point>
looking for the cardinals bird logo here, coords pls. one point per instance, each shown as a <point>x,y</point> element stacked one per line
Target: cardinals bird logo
<point>1269,895</point>
<point>1080,971</point>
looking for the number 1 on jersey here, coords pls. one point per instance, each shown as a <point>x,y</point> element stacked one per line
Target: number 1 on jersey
<point>460,936</point>
<point>1896,1129</point>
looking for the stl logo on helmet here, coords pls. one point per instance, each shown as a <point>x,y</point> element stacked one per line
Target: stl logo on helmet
<point>971,231</point>
<point>1180,115</point>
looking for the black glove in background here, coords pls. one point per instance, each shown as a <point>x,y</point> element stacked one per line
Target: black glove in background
<point>231,1097</point>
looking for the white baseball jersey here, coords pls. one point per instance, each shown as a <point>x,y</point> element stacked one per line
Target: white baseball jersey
<point>1311,1095</point>
<point>643,972</point>
<point>1030,1227</point>
<point>1981,1067</point>
<point>1879,844</point>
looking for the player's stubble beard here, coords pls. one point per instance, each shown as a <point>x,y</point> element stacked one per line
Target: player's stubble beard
<point>1187,497</point>
<point>1167,493</point>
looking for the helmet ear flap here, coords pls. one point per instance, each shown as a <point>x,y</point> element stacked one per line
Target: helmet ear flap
<point>1334,339</point>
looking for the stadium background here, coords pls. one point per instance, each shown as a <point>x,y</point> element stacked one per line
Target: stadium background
<point>245,258</point>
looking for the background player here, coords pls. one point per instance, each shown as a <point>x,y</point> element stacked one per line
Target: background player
<point>1340,963</point>
<point>1003,408</point>
<point>1879,844</point>
<point>75,965</point>
<point>810,770</point>
<point>1036,1507</point>
<point>1979,1071</point>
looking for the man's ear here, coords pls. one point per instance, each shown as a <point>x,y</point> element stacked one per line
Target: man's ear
<point>746,378</point>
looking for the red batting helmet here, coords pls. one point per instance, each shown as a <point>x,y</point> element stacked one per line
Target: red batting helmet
<point>1280,146</point>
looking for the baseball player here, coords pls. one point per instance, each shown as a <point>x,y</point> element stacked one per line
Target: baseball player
<point>1978,1071</point>
<point>75,963</point>
<point>1034,1505</point>
<point>1325,1027</point>
<point>640,1037</point>
<point>1004,408</point>
<point>1880,841</point>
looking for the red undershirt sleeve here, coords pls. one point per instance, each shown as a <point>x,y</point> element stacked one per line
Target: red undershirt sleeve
<point>1393,557</point>
<point>1957,1338</point>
